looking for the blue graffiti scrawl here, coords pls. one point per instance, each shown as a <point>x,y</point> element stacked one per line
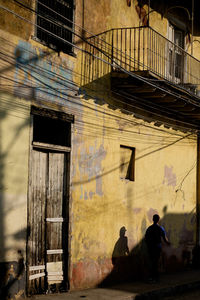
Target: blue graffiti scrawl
<point>39,75</point>
<point>91,164</point>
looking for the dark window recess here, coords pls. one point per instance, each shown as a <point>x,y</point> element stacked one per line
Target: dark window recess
<point>52,16</point>
<point>127,162</point>
<point>51,131</point>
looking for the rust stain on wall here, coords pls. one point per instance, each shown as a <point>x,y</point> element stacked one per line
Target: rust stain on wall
<point>88,272</point>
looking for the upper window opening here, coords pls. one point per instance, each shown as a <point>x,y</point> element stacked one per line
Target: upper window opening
<point>127,162</point>
<point>51,131</point>
<point>53,28</point>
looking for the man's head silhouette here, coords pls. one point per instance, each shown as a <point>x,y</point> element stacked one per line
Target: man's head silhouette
<point>156,218</point>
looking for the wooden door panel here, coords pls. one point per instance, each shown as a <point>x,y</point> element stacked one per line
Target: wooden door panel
<point>47,219</point>
<point>36,244</point>
<point>55,214</point>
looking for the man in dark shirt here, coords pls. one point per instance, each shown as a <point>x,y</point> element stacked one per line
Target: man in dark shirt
<point>153,237</point>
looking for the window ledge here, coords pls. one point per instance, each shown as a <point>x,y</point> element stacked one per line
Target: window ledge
<point>34,38</point>
<point>51,147</point>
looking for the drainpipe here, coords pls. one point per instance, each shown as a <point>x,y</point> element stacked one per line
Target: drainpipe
<point>198,193</point>
<point>192,27</point>
<point>148,12</point>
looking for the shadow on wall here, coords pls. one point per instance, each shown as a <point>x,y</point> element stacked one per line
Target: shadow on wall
<point>12,275</point>
<point>180,255</point>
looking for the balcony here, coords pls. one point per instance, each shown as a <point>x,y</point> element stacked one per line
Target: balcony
<point>149,69</point>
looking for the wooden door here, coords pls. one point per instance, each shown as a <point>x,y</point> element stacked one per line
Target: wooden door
<point>48,221</point>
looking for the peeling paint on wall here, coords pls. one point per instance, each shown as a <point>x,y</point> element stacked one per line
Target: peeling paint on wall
<point>91,166</point>
<point>42,75</point>
<point>169,176</point>
<point>137,210</point>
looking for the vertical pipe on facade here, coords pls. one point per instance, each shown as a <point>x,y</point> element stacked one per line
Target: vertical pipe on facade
<point>134,46</point>
<point>148,65</point>
<point>97,62</point>
<point>148,12</point>
<point>157,54</point>
<point>130,50</point>
<point>192,26</point>
<point>90,59</point>
<point>121,49</point>
<point>172,62</point>
<point>143,45</point>
<point>151,54</point>
<point>198,193</point>
<point>112,43</point>
<point>101,55</point>
<point>148,38</point>
<point>163,58</point>
<point>107,51</point>
<point>117,46</point>
<point>160,54</point>
<point>110,47</point>
<point>93,60</point>
<point>153,50</point>
<point>125,47</point>
<point>139,48</point>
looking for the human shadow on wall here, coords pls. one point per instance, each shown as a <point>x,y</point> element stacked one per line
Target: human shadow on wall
<point>183,254</point>
<point>120,253</point>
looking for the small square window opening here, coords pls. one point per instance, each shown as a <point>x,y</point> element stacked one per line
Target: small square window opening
<point>127,163</point>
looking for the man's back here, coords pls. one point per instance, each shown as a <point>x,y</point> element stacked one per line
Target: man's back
<point>153,235</point>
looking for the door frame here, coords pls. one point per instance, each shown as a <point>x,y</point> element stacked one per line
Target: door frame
<point>69,118</point>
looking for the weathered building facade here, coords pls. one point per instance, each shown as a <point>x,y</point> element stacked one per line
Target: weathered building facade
<point>99,107</point>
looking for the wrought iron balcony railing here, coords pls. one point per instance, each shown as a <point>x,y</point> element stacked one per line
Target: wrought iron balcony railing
<point>140,49</point>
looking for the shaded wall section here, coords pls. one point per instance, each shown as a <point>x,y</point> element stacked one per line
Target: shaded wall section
<point>14,137</point>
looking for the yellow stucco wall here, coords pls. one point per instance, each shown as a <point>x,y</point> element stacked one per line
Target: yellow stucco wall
<point>14,150</point>
<point>102,202</point>
<point>165,180</point>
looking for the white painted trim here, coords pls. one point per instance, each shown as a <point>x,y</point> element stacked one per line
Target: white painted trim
<point>54,273</point>
<point>31,277</point>
<point>36,268</point>
<point>56,251</point>
<point>51,146</point>
<point>55,220</point>
<point>55,278</point>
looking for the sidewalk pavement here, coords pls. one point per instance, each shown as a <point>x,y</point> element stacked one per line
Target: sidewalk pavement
<point>169,284</point>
